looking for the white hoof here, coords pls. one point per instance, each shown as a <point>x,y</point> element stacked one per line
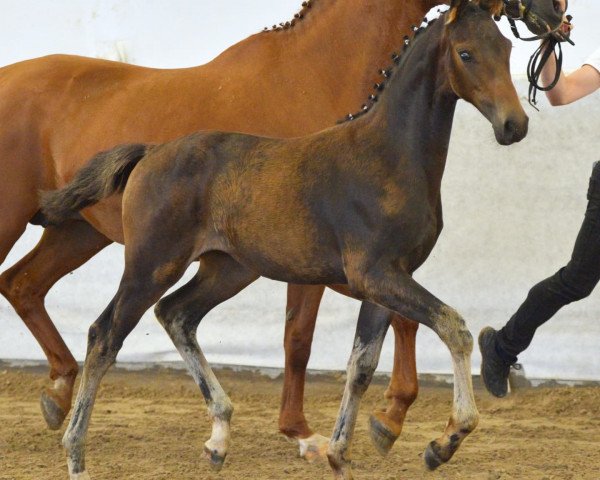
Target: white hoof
<point>314,447</point>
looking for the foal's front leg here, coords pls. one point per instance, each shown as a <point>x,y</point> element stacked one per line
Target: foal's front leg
<point>373,323</point>
<point>398,291</point>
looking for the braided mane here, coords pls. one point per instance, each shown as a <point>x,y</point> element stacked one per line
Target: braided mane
<point>306,6</point>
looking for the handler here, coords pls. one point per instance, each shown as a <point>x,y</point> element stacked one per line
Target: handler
<point>499,349</point>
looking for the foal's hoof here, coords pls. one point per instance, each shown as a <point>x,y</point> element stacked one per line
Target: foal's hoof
<point>313,448</point>
<point>79,476</point>
<point>216,460</point>
<point>341,472</point>
<point>432,456</point>
<point>382,437</point>
<point>53,413</point>
<point>345,474</point>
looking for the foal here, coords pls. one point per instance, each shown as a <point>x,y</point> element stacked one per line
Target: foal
<point>357,204</point>
<point>42,145</point>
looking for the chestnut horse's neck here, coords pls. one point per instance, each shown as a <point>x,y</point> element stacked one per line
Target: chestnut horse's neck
<point>416,110</point>
<point>337,48</point>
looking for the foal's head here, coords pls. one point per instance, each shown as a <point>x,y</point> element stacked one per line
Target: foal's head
<point>478,57</point>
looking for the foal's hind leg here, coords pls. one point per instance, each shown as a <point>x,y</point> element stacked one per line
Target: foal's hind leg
<point>25,285</point>
<point>385,426</point>
<point>145,280</point>
<point>373,323</point>
<point>301,315</point>
<point>219,278</point>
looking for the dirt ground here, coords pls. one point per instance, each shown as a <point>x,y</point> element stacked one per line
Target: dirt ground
<point>152,425</point>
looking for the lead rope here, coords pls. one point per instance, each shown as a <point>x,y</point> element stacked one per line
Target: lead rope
<point>536,64</point>
<point>551,41</point>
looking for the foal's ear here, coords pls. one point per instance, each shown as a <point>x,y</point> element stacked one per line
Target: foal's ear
<point>455,7</point>
<point>495,7</point>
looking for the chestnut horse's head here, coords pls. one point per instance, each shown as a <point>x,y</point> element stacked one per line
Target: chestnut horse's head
<point>478,57</point>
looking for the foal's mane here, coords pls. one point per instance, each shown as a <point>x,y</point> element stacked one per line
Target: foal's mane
<point>306,7</point>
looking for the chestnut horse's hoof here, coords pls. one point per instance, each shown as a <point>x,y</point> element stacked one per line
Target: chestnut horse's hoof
<point>432,456</point>
<point>382,436</point>
<point>313,448</point>
<point>216,460</point>
<point>53,413</point>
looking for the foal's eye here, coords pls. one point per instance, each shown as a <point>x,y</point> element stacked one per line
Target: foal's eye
<point>465,56</point>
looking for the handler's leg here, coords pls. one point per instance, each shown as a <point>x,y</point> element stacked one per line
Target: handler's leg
<point>219,278</point>
<point>573,282</point>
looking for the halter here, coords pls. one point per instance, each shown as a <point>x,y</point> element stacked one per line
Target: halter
<point>551,40</point>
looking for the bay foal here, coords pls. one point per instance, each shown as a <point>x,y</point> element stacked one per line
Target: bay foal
<point>358,205</point>
<point>45,138</point>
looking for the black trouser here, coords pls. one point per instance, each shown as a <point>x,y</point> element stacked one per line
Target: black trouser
<point>571,283</point>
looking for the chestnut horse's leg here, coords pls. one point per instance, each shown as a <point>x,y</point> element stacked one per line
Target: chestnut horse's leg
<point>13,222</point>
<point>385,426</point>
<point>301,314</point>
<point>398,291</point>
<point>60,250</point>
<point>373,323</point>
<point>219,278</point>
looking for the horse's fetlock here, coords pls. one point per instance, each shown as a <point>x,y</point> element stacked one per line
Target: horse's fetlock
<point>223,410</point>
<point>405,396</point>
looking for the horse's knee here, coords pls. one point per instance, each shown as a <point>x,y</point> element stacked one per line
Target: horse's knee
<point>453,331</point>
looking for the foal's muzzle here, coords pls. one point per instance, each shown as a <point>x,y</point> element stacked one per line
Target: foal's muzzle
<point>511,130</point>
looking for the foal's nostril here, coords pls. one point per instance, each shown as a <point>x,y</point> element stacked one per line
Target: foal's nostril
<point>510,127</point>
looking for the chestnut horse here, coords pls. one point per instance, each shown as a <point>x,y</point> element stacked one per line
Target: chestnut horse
<point>356,205</point>
<point>84,105</point>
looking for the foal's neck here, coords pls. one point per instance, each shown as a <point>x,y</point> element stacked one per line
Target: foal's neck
<point>416,110</point>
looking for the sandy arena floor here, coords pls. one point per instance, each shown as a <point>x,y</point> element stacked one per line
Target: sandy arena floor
<point>151,425</point>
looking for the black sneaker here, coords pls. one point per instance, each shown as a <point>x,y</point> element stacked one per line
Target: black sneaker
<point>494,369</point>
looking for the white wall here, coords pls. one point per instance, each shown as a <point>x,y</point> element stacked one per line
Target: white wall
<point>511,214</point>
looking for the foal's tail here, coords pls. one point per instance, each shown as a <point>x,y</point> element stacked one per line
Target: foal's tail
<point>105,174</point>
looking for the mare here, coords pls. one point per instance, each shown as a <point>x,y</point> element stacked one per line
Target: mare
<point>356,205</point>
<point>82,106</point>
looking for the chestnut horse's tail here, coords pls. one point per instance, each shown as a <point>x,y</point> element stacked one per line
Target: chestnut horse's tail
<point>105,174</point>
